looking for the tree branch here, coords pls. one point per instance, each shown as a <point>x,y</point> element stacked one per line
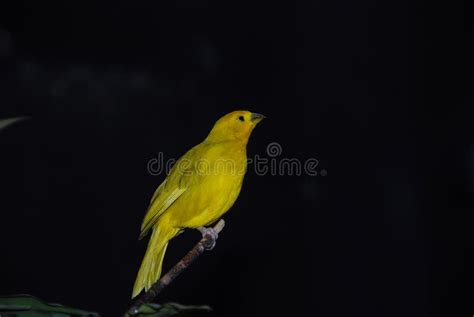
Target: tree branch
<point>205,244</point>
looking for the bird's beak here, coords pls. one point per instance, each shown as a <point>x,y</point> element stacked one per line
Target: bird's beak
<point>257,117</point>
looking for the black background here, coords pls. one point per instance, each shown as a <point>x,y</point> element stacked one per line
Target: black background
<point>379,92</point>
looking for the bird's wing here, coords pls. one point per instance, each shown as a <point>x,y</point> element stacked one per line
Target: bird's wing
<point>170,190</point>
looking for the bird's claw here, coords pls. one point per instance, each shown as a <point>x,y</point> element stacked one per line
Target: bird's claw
<point>210,235</point>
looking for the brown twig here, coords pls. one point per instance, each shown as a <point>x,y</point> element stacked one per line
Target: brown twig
<point>206,243</point>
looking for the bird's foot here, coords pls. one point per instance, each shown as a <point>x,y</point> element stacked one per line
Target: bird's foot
<point>210,235</point>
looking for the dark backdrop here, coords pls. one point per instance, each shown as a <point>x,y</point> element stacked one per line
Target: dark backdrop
<point>379,92</point>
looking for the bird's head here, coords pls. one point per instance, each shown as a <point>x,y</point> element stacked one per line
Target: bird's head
<point>234,126</point>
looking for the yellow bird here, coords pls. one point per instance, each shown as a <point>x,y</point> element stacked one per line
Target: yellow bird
<point>202,185</point>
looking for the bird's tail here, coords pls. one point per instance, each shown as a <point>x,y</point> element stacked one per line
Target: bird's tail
<point>150,270</point>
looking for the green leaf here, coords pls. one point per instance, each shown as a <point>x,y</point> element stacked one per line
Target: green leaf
<point>29,306</point>
<point>171,309</point>
<point>8,122</point>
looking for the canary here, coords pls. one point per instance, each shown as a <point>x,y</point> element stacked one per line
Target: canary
<point>202,185</point>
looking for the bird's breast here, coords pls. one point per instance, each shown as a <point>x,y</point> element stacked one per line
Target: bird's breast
<point>217,186</point>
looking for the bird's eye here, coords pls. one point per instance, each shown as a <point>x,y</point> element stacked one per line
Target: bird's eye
<point>241,118</point>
